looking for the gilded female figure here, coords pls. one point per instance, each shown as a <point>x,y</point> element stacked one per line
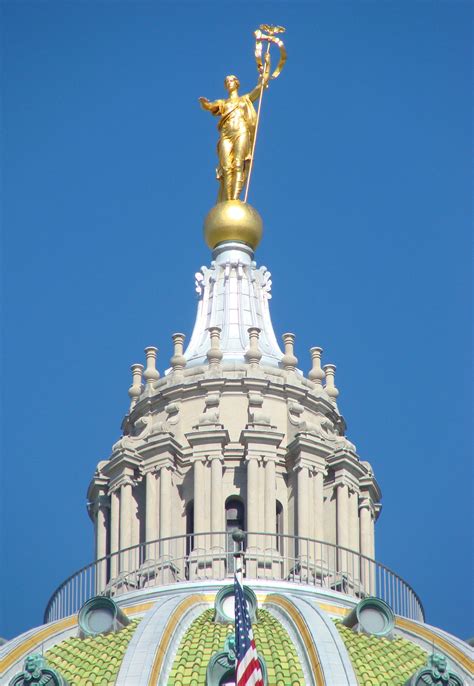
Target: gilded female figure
<point>237,131</point>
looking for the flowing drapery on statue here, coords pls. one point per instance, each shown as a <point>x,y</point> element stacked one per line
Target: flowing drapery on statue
<point>239,120</point>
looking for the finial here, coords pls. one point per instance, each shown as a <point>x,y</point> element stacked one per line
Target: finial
<point>214,354</point>
<point>316,374</point>
<point>253,354</point>
<point>236,146</point>
<point>289,361</point>
<point>178,361</point>
<point>330,387</point>
<point>136,388</point>
<point>151,373</point>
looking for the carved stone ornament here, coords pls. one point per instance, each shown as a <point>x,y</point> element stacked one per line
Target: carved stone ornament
<point>255,414</point>
<point>36,673</point>
<point>436,673</point>
<point>210,416</point>
<point>319,425</point>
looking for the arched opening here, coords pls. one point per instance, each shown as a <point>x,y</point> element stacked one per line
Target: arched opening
<point>234,520</point>
<point>279,527</point>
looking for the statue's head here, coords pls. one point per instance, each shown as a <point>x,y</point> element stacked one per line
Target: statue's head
<point>32,667</point>
<point>231,83</point>
<point>439,662</point>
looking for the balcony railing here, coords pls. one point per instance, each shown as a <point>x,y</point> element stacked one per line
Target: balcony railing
<point>214,556</point>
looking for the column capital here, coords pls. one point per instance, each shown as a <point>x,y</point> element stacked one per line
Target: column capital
<point>319,469</point>
<point>260,442</point>
<point>216,457</point>
<point>344,479</point>
<point>367,504</point>
<point>310,450</point>
<point>160,444</point>
<point>123,464</point>
<point>269,458</point>
<point>156,463</point>
<point>119,481</point>
<point>100,502</point>
<point>207,442</point>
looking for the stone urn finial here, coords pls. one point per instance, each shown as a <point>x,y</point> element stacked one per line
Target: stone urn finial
<point>316,374</point>
<point>214,354</point>
<point>178,361</point>
<point>136,388</point>
<point>289,361</point>
<point>330,387</point>
<point>151,373</point>
<point>253,354</point>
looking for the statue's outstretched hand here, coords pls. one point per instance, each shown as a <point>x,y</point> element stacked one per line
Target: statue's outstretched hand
<point>204,102</point>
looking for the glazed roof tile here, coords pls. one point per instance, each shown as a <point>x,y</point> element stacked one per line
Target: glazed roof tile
<point>381,661</point>
<point>93,660</point>
<point>204,638</point>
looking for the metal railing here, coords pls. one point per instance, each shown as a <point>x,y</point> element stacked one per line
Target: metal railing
<point>206,556</point>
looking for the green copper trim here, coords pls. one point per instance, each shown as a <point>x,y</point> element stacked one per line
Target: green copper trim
<point>372,616</point>
<point>226,592</point>
<point>101,615</point>
<point>436,672</point>
<point>36,672</point>
<point>222,664</point>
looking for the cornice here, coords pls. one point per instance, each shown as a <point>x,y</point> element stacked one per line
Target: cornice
<point>270,385</point>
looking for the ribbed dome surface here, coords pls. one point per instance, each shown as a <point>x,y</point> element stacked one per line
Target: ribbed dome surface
<point>204,638</point>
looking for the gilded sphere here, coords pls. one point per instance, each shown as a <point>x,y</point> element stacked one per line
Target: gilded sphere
<point>233,220</point>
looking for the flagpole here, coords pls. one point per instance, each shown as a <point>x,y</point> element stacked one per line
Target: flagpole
<point>256,127</point>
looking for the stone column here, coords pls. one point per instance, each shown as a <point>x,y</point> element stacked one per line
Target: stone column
<point>125,524</point>
<point>354,560</point>
<point>151,513</point>
<point>114,531</point>
<point>101,541</point>
<point>303,511</point>
<point>165,508</point>
<point>252,499</point>
<point>270,502</point>
<point>342,519</point>
<point>217,511</point>
<point>373,517</point>
<point>366,543</point>
<point>319,551</point>
<point>200,502</point>
<point>318,500</point>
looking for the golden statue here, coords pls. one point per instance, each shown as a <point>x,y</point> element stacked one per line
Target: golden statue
<point>239,121</point>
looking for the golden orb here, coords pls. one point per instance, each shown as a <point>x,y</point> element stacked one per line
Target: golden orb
<point>233,220</point>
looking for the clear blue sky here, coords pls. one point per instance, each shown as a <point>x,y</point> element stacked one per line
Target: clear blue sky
<point>363,178</point>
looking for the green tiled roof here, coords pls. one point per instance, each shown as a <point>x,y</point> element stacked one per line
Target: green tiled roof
<point>381,661</point>
<point>93,660</point>
<point>204,638</point>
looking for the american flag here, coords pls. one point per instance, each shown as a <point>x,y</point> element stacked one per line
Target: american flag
<point>248,671</point>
